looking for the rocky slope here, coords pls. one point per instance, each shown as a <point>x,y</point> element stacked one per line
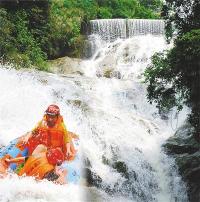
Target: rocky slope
<point>66,65</point>
<point>186,151</point>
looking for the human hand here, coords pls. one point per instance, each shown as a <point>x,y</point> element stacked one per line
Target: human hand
<point>7,160</point>
<point>68,153</point>
<point>62,175</point>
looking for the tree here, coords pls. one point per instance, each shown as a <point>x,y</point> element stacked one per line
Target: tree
<point>128,9</point>
<point>174,76</point>
<point>6,30</point>
<point>181,16</point>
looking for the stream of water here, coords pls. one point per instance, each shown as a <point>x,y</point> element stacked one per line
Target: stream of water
<point>121,134</point>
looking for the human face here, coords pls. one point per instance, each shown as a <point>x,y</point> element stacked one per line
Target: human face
<point>51,120</point>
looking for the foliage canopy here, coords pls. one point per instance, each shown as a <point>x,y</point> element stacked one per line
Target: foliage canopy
<point>174,76</point>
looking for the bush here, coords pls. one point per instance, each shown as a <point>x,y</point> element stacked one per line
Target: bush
<point>104,13</point>
<point>6,30</point>
<point>173,77</point>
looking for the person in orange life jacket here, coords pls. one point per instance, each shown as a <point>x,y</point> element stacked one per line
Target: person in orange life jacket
<point>42,164</point>
<point>51,131</point>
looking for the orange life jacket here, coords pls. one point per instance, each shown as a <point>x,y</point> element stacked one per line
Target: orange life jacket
<point>36,166</point>
<point>49,136</point>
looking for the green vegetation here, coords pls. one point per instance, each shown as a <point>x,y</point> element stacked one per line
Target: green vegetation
<point>22,35</point>
<point>174,75</point>
<point>128,9</point>
<point>31,32</point>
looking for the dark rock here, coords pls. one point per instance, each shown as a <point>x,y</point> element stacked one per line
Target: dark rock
<point>188,162</point>
<point>66,65</point>
<point>87,162</point>
<point>116,74</point>
<point>99,74</point>
<point>92,178</point>
<point>105,160</point>
<point>107,73</point>
<point>121,168</point>
<point>175,147</point>
<point>76,103</point>
<point>182,142</point>
<point>127,187</point>
<point>79,104</point>
<point>186,151</point>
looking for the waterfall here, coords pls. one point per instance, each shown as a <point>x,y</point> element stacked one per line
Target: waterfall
<point>110,30</point>
<point>121,134</point>
<point>125,157</point>
<point>139,26</point>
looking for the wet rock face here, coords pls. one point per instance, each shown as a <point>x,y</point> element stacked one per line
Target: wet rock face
<point>186,151</point>
<point>125,188</point>
<point>66,65</point>
<point>92,178</point>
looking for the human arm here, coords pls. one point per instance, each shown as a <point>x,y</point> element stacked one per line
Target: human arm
<point>68,143</point>
<point>68,150</point>
<point>15,160</point>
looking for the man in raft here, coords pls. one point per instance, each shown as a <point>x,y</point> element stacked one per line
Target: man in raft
<point>51,132</point>
<point>42,164</point>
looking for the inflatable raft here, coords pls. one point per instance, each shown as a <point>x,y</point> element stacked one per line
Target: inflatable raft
<point>16,149</point>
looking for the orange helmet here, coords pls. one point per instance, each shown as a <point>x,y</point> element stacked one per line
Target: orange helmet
<point>53,110</point>
<point>55,156</point>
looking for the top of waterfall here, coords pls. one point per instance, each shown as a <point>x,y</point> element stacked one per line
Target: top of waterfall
<point>111,29</point>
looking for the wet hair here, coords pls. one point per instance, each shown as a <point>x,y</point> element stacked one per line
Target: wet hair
<point>51,176</point>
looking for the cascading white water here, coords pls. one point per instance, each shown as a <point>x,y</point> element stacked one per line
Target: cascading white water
<point>139,26</point>
<point>125,153</point>
<point>120,133</point>
<point>111,29</point>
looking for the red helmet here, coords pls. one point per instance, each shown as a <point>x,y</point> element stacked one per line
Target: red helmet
<point>55,156</point>
<point>53,110</point>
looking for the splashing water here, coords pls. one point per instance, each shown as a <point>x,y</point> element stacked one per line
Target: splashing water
<point>120,132</point>
<point>125,153</point>
<point>24,98</point>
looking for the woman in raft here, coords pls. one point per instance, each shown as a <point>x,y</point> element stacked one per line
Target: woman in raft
<point>42,164</point>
